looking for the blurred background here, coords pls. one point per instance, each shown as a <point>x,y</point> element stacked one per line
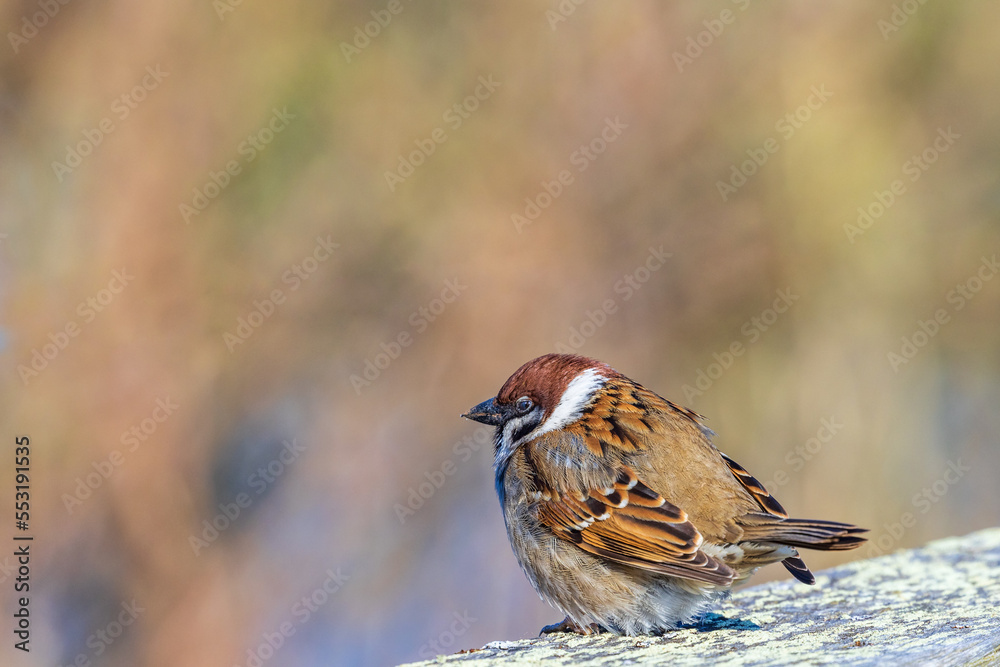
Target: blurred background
<point>257,259</point>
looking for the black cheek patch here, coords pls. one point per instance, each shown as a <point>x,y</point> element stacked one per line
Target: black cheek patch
<point>525,429</point>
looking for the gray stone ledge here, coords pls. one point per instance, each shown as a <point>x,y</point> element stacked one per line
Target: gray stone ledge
<point>936,605</point>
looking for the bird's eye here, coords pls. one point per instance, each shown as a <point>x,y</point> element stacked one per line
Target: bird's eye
<point>523,404</point>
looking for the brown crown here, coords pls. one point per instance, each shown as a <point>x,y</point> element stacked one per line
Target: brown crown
<point>544,379</point>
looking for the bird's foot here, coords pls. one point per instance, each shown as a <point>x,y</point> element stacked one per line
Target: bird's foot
<point>566,625</point>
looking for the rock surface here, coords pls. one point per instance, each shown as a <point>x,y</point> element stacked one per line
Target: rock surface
<point>937,605</point>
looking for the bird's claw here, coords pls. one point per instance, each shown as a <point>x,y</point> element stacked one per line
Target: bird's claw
<point>566,625</point>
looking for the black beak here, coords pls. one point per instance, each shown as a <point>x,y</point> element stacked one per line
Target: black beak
<point>485,413</point>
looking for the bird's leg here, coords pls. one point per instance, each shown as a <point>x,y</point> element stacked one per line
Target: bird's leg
<point>566,625</point>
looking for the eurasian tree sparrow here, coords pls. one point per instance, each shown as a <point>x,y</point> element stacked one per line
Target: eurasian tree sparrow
<point>620,510</point>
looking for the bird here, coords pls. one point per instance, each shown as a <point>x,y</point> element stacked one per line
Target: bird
<point>620,510</point>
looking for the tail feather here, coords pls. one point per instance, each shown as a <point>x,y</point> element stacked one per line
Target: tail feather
<point>799,570</point>
<point>803,533</point>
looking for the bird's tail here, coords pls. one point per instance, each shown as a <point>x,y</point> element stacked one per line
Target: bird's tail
<point>802,534</point>
<point>806,533</point>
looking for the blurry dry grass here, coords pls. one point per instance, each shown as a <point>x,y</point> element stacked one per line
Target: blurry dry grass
<point>324,175</point>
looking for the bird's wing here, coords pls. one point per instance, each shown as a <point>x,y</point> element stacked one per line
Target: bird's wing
<point>594,498</point>
<point>630,523</point>
<point>767,502</point>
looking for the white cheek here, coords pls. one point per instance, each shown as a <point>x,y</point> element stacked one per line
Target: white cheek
<point>512,427</point>
<point>507,443</point>
<point>576,397</point>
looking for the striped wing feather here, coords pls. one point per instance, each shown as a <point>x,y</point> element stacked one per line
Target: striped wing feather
<point>631,524</point>
<point>766,501</point>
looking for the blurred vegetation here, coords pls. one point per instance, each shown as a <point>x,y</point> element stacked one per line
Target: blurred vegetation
<point>318,466</point>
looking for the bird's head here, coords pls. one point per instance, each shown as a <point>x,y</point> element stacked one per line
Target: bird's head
<point>545,394</point>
